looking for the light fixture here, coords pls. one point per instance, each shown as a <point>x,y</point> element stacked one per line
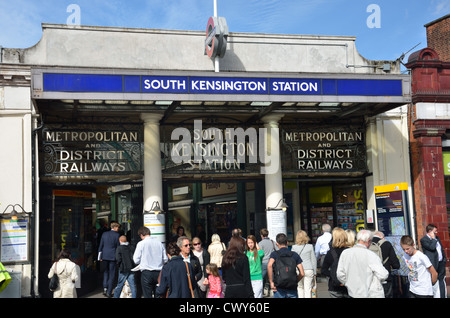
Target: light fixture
<point>155,209</point>
<point>14,214</point>
<point>163,102</point>
<point>261,104</point>
<point>283,206</point>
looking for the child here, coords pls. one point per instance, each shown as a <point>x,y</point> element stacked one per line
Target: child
<point>422,275</point>
<point>214,281</point>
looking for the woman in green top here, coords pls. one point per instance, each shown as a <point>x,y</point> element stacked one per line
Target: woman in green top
<point>255,256</point>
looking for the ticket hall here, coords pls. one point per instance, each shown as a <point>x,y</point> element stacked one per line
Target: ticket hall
<point>148,127</point>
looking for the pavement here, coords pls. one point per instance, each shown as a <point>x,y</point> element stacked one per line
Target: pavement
<point>322,290</point>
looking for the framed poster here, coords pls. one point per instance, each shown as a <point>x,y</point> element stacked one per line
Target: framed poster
<point>276,223</point>
<point>392,209</point>
<point>14,240</point>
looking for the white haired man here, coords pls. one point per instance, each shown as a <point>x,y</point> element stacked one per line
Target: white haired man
<point>361,270</point>
<point>323,243</point>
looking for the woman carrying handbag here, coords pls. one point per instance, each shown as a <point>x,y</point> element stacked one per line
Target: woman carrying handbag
<point>67,273</point>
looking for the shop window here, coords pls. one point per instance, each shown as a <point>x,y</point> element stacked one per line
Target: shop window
<point>321,195</point>
<point>124,209</point>
<point>349,201</point>
<point>321,209</point>
<point>341,205</point>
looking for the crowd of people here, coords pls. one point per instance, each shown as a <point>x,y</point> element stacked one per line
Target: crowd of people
<point>363,265</point>
<point>357,265</point>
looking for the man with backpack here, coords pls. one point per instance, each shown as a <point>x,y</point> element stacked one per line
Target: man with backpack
<point>389,259</point>
<point>282,270</point>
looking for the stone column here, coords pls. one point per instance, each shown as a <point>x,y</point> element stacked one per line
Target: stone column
<point>152,161</point>
<point>273,177</point>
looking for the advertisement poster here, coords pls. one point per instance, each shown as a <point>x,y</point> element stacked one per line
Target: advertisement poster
<point>276,223</point>
<point>392,209</point>
<point>14,241</point>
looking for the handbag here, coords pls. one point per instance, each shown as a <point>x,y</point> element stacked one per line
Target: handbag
<point>54,281</point>
<point>189,278</point>
<point>223,250</point>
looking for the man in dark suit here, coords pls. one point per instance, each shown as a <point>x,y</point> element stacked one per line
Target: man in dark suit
<point>432,247</point>
<point>107,255</point>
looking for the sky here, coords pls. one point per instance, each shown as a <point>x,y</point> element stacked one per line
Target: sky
<point>384,29</point>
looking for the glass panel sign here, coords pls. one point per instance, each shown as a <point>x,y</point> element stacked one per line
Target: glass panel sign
<point>210,149</point>
<point>91,151</point>
<point>323,150</point>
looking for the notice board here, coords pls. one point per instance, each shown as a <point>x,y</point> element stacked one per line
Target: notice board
<point>392,209</point>
<point>14,240</point>
<point>276,223</point>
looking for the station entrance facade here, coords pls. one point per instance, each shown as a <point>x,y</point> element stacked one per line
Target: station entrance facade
<point>216,165</point>
<point>158,138</point>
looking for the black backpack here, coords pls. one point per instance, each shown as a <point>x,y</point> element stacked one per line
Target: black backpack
<point>333,268</point>
<point>285,271</point>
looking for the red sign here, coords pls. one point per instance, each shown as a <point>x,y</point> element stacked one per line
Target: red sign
<point>216,37</point>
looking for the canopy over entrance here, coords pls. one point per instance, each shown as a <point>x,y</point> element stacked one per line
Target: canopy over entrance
<point>241,97</point>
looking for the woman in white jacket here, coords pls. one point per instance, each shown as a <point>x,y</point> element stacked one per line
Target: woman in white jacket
<point>216,249</point>
<point>67,273</point>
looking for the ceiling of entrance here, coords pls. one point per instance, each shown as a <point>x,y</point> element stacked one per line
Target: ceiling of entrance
<point>177,112</point>
<point>75,99</point>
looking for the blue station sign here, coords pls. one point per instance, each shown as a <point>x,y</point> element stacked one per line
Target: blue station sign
<point>102,83</point>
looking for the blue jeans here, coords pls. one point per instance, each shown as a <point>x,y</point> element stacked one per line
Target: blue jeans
<point>285,293</point>
<point>264,275</point>
<point>123,277</point>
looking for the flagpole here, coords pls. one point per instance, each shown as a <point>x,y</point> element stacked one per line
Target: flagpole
<point>216,59</point>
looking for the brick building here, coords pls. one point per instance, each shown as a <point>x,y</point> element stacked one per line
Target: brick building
<point>429,122</point>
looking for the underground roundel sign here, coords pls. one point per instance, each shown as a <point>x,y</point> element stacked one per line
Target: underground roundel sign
<point>216,37</point>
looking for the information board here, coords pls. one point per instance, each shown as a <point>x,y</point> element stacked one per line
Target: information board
<point>156,224</point>
<point>276,223</point>
<point>14,241</point>
<point>392,209</point>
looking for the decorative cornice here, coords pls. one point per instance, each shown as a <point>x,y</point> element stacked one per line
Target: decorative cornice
<point>431,96</point>
<point>15,75</point>
<point>430,128</point>
<point>428,132</point>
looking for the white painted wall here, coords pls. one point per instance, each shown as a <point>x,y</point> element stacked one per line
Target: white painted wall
<point>112,47</point>
<point>16,160</point>
<point>388,157</point>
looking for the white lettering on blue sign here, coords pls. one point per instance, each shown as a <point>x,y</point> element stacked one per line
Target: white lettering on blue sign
<point>164,84</point>
<point>294,86</point>
<point>228,85</point>
<point>106,83</point>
